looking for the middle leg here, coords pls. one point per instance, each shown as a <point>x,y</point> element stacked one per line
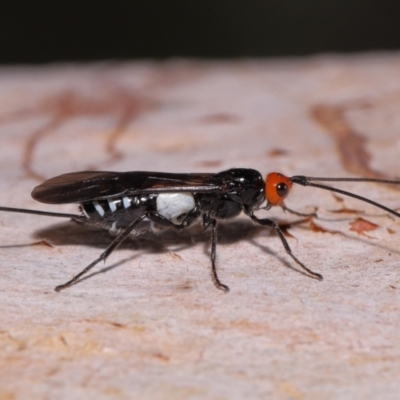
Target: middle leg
<point>218,283</point>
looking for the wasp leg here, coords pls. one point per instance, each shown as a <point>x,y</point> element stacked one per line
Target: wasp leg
<point>206,222</point>
<point>186,221</point>
<point>218,283</point>
<point>159,219</point>
<point>269,223</point>
<point>115,243</point>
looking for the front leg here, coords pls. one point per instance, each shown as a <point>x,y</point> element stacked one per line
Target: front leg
<point>269,223</point>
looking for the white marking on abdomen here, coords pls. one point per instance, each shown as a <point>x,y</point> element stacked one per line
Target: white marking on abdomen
<point>112,205</point>
<point>126,201</point>
<point>99,208</point>
<point>173,205</point>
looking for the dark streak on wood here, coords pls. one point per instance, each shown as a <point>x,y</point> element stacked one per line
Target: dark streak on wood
<point>112,99</point>
<point>361,225</point>
<point>209,163</point>
<point>221,118</point>
<point>351,144</point>
<point>71,104</point>
<point>42,243</point>
<point>31,144</point>
<point>131,107</point>
<point>277,152</point>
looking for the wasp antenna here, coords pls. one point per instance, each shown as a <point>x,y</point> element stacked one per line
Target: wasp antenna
<point>306,181</point>
<point>37,212</point>
<point>298,178</point>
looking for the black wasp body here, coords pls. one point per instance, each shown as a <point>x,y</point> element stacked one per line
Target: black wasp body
<point>151,196</point>
<point>122,202</point>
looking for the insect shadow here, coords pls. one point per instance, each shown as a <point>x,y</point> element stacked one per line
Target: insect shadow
<point>230,232</point>
<point>72,233</point>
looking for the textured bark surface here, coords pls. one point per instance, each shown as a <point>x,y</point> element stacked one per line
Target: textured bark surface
<point>149,323</point>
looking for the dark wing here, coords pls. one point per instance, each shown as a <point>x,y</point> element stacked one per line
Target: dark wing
<point>80,187</point>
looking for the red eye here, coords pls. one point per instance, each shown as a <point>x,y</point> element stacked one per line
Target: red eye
<point>277,187</point>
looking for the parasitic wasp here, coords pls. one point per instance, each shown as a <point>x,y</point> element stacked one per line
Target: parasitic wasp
<point>123,201</point>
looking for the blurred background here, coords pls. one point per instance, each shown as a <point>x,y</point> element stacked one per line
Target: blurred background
<point>48,31</point>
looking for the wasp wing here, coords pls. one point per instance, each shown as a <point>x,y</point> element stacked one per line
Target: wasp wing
<point>81,187</point>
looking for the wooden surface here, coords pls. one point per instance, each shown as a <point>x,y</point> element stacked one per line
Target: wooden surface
<point>150,324</point>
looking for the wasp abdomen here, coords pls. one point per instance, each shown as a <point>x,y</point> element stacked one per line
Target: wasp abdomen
<point>104,208</point>
<point>118,213</point>
<point>114,213</point>
<point>174,206</point>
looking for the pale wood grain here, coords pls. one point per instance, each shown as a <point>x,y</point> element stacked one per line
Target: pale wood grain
<point>153,326</point>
